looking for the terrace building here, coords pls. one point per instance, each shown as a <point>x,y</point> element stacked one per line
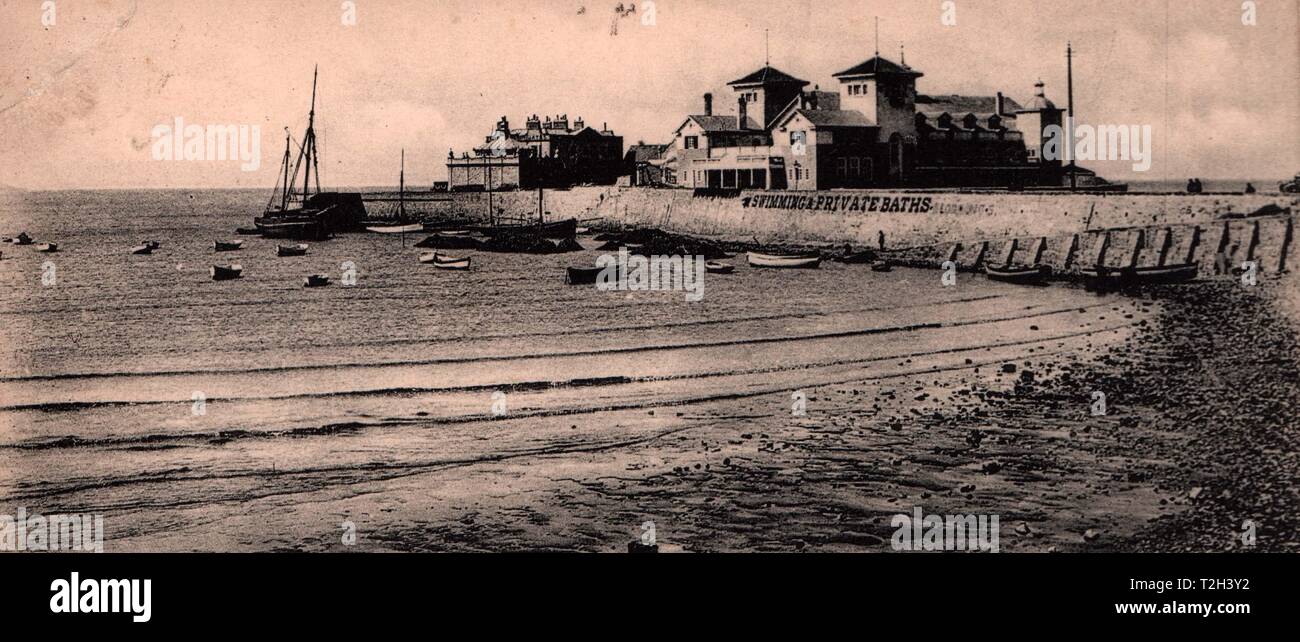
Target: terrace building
<point>544,153</point>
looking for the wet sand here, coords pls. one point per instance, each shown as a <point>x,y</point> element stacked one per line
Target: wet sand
<point>1191,445</point>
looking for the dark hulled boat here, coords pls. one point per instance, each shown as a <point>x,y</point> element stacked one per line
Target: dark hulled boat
<point>1101,277</point>
<point>1019,274</point>
<point>306,215</point>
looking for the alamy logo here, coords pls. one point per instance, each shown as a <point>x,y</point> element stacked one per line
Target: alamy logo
<point>33,532</point>
<point>919,532</point>
<point>632,272</point>
<point>75,595</point>
<point>179,141</point>
<point>1099,143</point>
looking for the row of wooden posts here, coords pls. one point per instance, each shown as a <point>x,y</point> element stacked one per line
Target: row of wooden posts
<point>1163,241</point>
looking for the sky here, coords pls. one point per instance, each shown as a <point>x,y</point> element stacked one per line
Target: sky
<point>80,98</point>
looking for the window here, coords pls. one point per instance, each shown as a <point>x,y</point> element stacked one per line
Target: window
<point>692,142</point>
<point>841,167</point>
<point>855,166</point>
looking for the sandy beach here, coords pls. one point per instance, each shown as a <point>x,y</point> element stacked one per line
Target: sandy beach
<point>1175,464</point>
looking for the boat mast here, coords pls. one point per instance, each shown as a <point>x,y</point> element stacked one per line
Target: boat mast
<point>540,217</point>
<point>285,187</point>
<point>1069,91</point>
<point>401,190</point>
<point>309,145</point>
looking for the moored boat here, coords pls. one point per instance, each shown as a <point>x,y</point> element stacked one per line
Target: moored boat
<point>291,250</point>
<point>47,247</point>
<point>22,239</point>
<point>444,262</point>
<point>554,229</point>
<point>227,272</point>
<point>142,249</point>
<point>882,266</point>
<point>153,245</point>
<point>757,259</point>
<point>396,229</point>
<point>306,213</point>
<point>315,281</point>
<point>863,257</point>
<point>718,267</point>
<point>582,275</point>
<point>1019,274</point>
<point>1101,276</point>
<point>227,246</point>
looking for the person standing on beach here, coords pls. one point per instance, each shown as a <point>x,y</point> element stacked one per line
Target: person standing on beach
<point>880,239</point>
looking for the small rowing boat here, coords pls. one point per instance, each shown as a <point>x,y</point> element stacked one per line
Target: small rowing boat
<point>142,249</point>
<point>291,250</point>
<point>227,246</point>
<point>397,229</point>
<point>315,281</point>
<point>582,275</point>
<point>225,273</point>
<point>882,266</point>
<point>47,247</point>
<point>22,239</point>
<point>784,260</point>
<point>1101,276</point>
<point>718,267</point>
<point>444,262</point>
<point>1019,274</point>
<point>857,258</point>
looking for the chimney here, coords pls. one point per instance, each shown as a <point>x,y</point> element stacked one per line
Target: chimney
<point>708,104</point>
<point>1000,111</point>
<point>744,114</point>
<point>812,99</point>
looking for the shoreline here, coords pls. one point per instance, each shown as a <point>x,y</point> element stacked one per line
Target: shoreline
<point>1174,465</point>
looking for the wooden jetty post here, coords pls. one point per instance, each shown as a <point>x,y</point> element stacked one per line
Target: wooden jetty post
<point>1193,245</point>
<point>1040,246</point>
<point>1254,241</point>
<point>1286,245</point>
<point>979,256</point>
<point>1009,252</point>
<point>1070,252</point>
<point>1100,257</point>
<point>1135,252</point>
<point>1165,240</point>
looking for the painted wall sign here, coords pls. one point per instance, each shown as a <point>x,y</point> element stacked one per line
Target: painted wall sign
<point>840,202</point>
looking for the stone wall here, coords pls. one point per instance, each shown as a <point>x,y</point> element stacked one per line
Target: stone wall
<point>924,219</point>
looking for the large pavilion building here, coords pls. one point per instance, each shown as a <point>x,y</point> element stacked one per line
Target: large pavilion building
<point>874,131</point>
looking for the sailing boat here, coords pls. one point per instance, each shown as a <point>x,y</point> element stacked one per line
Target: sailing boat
<point>403,226</point>
<point>293,216</point>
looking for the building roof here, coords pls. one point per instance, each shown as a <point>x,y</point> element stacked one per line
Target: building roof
<point>645,153</point>
<point>878,65</point>
<point>954,104</point>
<point>767,76</point>
<point>1039,102</point>
<point>724,123</point>
<point>835,117</point>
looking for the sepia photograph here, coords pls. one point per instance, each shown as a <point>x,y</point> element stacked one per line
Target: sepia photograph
<point>834,277</point>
